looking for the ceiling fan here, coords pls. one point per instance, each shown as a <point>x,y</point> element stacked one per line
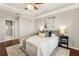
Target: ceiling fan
<point>32,6</point>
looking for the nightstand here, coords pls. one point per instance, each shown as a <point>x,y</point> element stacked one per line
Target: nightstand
<point>63,39</point>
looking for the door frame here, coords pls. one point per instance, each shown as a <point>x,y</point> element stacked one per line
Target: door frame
<point>13,27</point>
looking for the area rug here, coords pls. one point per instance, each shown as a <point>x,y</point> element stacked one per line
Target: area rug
<point>59,51</point>
<point>16,51</point>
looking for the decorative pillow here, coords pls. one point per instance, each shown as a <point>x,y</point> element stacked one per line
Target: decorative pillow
<point>53,35</point>
<point>56,32</point>
<point>42,34</point>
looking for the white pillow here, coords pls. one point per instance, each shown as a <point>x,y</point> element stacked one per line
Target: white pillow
<point>53,35</point>
<point>42,34</point>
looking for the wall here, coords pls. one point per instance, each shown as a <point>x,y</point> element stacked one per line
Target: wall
<point>17,28</point>
<point>27,26</point>
<point>24,25</point>
<point>39,23</point>
<point>70,19</point>
<point>1,29</point>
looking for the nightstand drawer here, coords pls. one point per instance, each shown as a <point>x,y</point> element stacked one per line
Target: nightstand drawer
<point>64,40</point>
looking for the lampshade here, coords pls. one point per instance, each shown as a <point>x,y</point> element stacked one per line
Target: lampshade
<point>62,29</point>
<point>41,28</point>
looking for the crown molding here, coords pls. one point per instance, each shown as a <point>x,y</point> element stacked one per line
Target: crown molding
<point>71,7</point>
<point>15,10</point>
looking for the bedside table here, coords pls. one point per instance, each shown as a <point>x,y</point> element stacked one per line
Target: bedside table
<point>63,40</point>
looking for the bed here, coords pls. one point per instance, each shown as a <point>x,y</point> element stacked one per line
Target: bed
<point>41,46</point>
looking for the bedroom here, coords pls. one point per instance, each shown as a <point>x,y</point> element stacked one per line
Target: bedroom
<point>30,22</point>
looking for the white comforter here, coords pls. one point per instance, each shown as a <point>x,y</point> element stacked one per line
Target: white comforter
<point>41,46</point>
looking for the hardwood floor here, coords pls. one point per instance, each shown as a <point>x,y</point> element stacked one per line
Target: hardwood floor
<point>74,52</point>
<point>5,44</point>
<point>3,51</point>
<point>11,42</point>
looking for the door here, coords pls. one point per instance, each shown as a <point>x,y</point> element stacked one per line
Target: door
<point>9,30</point>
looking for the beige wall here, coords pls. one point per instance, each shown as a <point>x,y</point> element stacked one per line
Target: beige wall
<point>27,26</point>
<point>1,29</point>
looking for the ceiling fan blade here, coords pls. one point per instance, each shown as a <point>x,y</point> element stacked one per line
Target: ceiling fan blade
<point>35,8</point>
<point>34,5</point>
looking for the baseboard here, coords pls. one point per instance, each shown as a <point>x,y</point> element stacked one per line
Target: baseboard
<point>73,48</point>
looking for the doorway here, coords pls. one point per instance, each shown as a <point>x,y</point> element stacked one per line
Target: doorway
<point>9,30</point>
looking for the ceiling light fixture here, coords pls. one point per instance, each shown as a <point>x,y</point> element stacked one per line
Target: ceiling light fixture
<point>30,6</point>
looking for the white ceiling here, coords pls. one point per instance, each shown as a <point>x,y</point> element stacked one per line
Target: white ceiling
<point>7,14</point>
<point>15,9</point>
<point>43,8</point>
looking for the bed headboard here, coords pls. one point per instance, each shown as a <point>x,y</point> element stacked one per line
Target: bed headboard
<point>49,32</point>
